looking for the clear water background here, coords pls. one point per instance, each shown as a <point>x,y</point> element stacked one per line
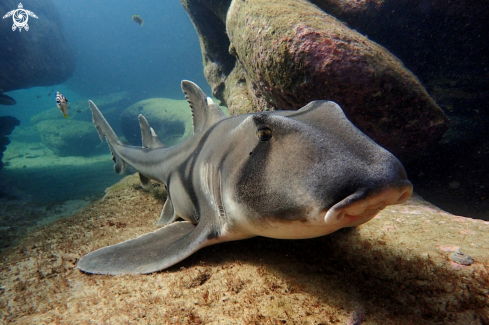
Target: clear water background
<point>113,53</point>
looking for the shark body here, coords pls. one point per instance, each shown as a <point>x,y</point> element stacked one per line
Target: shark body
<point>281,174</point>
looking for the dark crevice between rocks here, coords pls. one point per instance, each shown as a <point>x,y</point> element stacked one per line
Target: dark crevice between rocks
<point>214,43</point>
<point>453,174</point>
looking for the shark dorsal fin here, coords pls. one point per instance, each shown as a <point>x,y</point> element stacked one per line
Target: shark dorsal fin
<point>148,135</point>
<point>150,141</point>
<point>205,112</point>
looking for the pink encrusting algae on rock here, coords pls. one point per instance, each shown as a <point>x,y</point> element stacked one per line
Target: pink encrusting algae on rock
<point>281,54</point>
<point>291,52</point>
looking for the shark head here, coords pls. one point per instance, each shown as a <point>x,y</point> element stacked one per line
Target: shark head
<point>307,173</point>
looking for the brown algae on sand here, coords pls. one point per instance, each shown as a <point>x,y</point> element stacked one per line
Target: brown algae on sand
<point>392,268</point>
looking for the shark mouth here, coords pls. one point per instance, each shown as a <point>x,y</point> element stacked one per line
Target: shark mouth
<point>356,209</point>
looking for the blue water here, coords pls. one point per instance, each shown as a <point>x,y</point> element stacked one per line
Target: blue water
<point>113,53</point>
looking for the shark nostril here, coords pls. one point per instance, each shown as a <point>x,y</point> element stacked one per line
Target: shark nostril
<point>357,209</point>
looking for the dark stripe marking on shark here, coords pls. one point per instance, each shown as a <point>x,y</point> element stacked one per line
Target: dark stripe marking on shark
<point>281,174</point>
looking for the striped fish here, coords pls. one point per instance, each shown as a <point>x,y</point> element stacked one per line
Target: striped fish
<point>62,104</point>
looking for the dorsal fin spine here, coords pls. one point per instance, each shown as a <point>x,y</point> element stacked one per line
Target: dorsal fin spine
<point>204,112</point>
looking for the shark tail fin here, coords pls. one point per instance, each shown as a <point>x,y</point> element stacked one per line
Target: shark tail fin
<point>105,131</point>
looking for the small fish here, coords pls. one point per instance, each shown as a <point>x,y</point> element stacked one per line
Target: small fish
<point>62,104</point>
<point>49,94</point>
<point>38,96</point>
<point>138,19</point>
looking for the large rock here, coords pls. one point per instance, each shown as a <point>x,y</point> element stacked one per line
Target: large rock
<point>70,137</point>
<point>38,57</point>
<point>171,120</point>
<point>110,104</point>
<point>7,125</point>
<point>420,32</point>
<point>284,54</point>
<point>77,136</point>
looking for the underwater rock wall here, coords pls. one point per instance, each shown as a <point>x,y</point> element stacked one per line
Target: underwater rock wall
<point>287,53</point>
<point>272,63</point>
<point>38,57</point>
<point>7,125</point>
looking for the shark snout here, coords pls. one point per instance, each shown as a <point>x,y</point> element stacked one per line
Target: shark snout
<point>359,208</point>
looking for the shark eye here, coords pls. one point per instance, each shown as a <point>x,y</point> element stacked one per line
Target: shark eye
<point>264,134</point>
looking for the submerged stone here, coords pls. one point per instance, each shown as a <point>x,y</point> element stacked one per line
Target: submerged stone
<point>263,55</point>
<point>40,56</point>
<point>171,120</point>
<point>70,137</point>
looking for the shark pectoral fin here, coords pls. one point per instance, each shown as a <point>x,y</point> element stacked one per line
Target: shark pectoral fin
<point>167,214</point>
<point>150,252</point>
<point>145,182</point>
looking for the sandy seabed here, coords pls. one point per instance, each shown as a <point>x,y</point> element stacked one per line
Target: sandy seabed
<point>393,270</point>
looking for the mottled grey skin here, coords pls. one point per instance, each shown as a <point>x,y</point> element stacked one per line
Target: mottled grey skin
<point>281,174</point>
